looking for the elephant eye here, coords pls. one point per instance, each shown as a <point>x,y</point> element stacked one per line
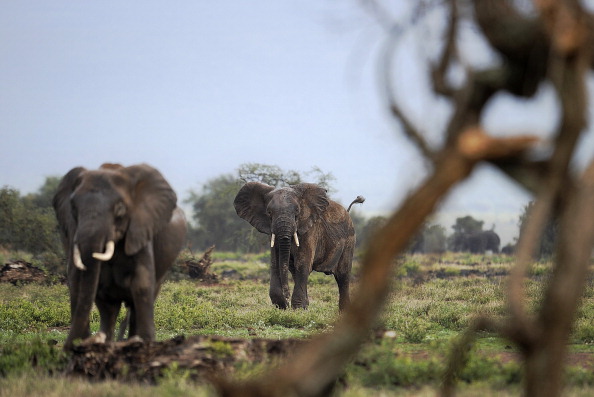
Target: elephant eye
<point>119,209</point>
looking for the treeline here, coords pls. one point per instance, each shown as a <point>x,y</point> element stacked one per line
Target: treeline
<point>28,223</point>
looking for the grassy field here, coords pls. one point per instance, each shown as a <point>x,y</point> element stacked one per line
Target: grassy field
<point>432,301</point>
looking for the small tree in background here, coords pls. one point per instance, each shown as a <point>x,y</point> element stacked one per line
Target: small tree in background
<point>215,220</point>
<point>273,175</point>
<point>430,240</point>
<point>368,229</point>
<point>29,224</point>
<point>434,237</point>
<point>463,226</point>
<point>546,248</point>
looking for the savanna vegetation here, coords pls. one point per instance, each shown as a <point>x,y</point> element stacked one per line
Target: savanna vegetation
<point>434,298</point>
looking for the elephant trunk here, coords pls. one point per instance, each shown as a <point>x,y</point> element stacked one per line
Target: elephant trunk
<point>285,230</point>
<point>89,248</point>
<point>284,253</point>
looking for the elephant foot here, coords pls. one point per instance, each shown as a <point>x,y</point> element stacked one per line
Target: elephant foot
<point>99,337</point>
<point>299,305</point>
<point>135,339</point>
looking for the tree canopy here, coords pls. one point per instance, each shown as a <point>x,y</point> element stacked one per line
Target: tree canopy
<point>29,223</point>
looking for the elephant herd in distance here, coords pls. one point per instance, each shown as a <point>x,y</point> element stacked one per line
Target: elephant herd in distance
<point>122,230</point>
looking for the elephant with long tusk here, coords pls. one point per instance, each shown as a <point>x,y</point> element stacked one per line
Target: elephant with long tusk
<point>122,230</point>
<point>308,231</point>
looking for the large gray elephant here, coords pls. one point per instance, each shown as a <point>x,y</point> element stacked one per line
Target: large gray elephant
<point>480,242</point>
<point>308,232</point>
<point>122,230</point>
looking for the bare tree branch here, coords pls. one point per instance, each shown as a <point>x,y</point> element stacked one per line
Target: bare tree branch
<point>439,71</point>
<point>386,72</point>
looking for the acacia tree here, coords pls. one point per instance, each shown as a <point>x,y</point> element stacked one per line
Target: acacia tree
<point>553,45</point>
<point>273,175</point>
<point>463,226</point>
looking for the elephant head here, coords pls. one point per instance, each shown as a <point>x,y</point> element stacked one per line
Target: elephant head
<point>285,214</point>
<point>97,208</point>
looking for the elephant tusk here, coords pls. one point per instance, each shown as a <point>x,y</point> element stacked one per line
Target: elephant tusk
<point>296,239</point>
<point>77,259</point>
<point>272,240</point>
<point>108,254</point>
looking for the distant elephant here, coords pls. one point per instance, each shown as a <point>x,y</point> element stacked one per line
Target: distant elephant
<point>308,232</point>
<point>480,242</point>
<point>122,230</point>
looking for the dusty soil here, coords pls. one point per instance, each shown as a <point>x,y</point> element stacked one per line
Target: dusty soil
<point>202,356</point>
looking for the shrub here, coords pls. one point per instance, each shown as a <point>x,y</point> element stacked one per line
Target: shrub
<point>21,355</point>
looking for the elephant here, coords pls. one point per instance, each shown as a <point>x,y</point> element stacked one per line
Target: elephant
<point>308,232</point>
<point>121,230</point>
<point>481,241</point>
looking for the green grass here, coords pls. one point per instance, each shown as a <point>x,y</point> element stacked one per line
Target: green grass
<point>423,319</point>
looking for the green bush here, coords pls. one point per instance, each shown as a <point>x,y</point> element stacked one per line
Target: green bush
<point>408,268</point>
<point>18,355</point>
<point>415,329</point>
<point>381,365</point>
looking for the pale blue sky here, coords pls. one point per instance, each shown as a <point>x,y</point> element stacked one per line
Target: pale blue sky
<point>196,88</point>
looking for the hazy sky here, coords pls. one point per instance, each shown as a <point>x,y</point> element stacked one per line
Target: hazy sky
<point>196,88</point>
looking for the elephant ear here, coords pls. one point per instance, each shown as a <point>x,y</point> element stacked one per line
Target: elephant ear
<point>61,202</point>
<point>250,204</point>
<point>314,202</point>
<point>153,201</point>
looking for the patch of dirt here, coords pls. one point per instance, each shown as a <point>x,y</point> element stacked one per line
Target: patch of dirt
<point>202,356</point>
<point>21,272</point>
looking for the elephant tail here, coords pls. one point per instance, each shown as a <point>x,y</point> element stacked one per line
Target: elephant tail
<point>358,200</point>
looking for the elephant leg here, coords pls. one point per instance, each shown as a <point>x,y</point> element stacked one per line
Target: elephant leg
<point>343,281</point>
<point>143,295</point>
<point>108,313</point>
<point>276,292</point>
<point>82,296</point>
<point>299,299</point>
<point>343,278</point>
